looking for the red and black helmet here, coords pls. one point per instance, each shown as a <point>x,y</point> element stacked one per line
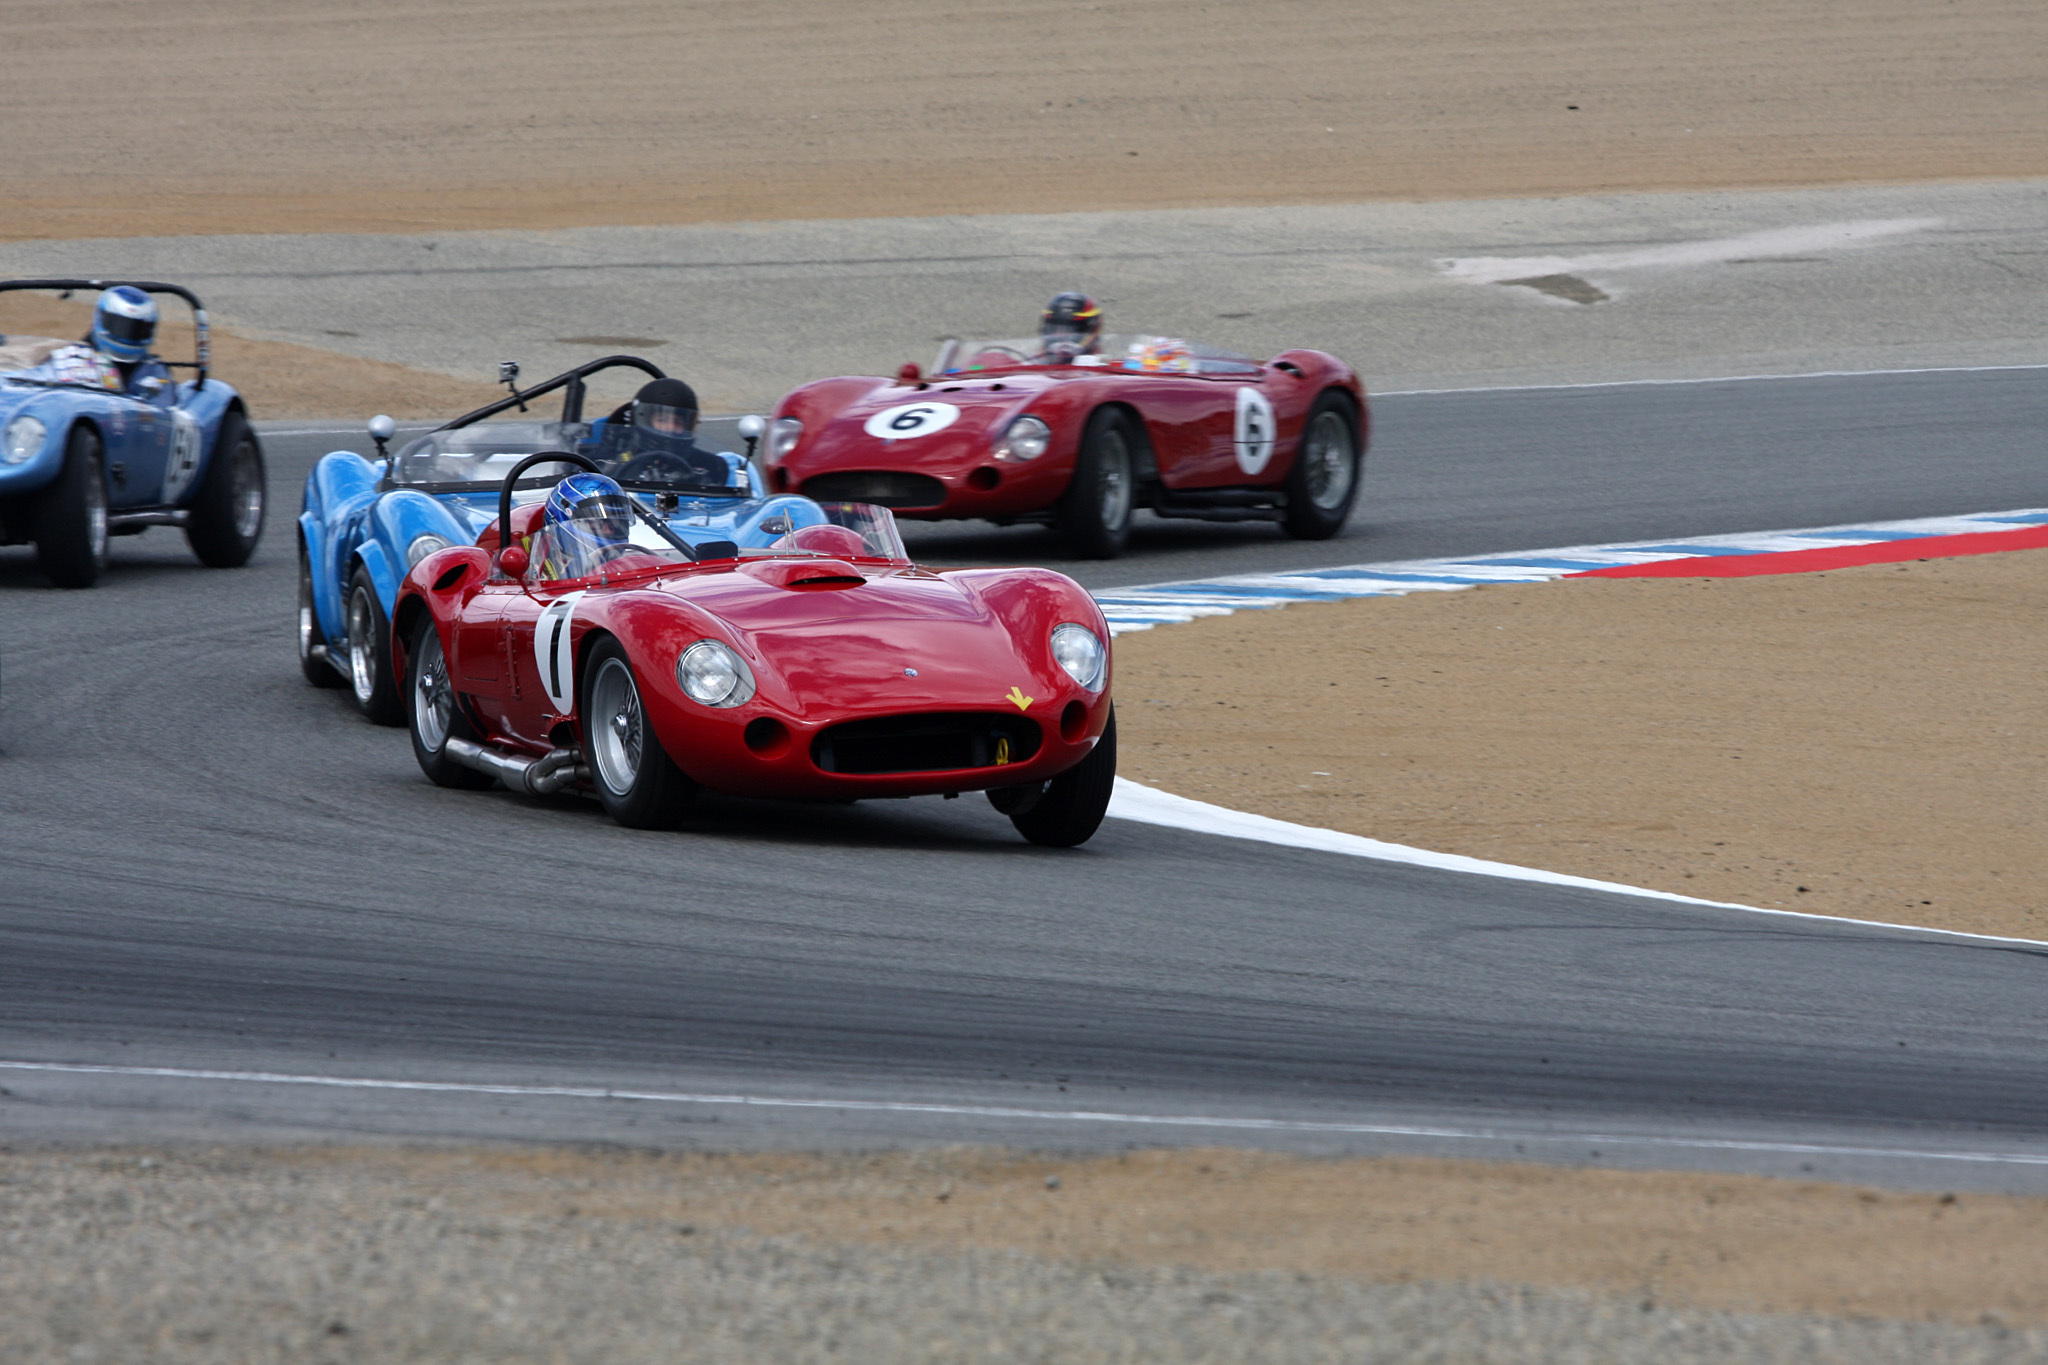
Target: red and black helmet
<point>1072,317</point>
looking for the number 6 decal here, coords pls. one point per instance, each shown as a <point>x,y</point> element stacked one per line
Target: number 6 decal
<point>554,653</point>
<point>1255,430</point>
<point>906,420</point>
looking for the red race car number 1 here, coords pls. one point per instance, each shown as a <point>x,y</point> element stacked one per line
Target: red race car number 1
<point>906,420</point>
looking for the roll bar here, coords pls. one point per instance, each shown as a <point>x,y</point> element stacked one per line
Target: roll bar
<point>199,323</point>
<point>572,405</point>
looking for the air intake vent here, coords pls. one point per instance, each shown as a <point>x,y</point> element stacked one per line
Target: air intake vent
<point>883,487</point>
<point>933,742</point>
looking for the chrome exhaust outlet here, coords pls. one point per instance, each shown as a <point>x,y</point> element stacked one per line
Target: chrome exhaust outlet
<point>533,776</point>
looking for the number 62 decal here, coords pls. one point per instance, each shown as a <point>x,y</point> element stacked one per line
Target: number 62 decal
<point>906,420</point>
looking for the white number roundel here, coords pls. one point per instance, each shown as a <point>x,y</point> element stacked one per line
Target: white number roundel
<point>906,420</point>
<point>554,653</point>
<point>1255,430</point>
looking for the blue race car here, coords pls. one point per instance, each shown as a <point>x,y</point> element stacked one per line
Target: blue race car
<point>91,449</point>
<point>365,523</point>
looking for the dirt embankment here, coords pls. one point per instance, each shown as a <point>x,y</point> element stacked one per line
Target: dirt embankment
<point>1868,742</point>
<point>276,378</point>
<point>296,116</point>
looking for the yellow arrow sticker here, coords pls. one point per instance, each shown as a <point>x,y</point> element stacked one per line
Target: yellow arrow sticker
<point>1016,695</point>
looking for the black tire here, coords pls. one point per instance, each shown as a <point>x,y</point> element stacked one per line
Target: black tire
<point>318,671</point>
<point>1323,485</point>
<point>635,778</point>
<point>71,515</point>
<point>1095,511</point>
<point>433,713</point>
<point>370,679</point>
<point>1074,803</point>
<point>227,515</point>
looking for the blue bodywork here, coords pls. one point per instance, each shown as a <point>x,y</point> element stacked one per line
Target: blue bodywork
<point>352,516</point>
<point>157,445</point>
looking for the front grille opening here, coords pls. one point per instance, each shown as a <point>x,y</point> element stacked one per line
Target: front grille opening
<point>932,742</point>
<point>883,487</point>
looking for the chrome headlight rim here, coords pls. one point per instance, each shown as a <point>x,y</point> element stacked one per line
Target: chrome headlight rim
<point>1081,654</point>
<point>424,544</point>
<point>712,673</point>
<point>23,439</point>
<point>783,434</point>
<point>1026,438</point>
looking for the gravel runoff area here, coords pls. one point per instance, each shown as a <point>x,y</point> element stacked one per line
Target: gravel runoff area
<point>383,1255</point>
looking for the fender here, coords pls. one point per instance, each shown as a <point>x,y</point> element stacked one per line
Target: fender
<point>437,588</point>
<point>58,418</point>
<point>397,520</point>
<point>338,485</point>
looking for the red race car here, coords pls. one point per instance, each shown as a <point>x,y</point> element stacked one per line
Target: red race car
<point>1080,436</point>
<point>604,649</point>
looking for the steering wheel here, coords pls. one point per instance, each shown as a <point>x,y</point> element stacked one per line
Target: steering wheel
<point>658,466</point>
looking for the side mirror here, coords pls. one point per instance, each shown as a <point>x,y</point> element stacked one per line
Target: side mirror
<point>512,562</point>
<point>382,429</point>
<point>751,427</point>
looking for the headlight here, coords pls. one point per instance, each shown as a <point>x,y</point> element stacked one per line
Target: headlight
<point>422,546</point>
<point>712,674</point>
<point>1076,649</point>
<point>23,439</point>
<point>1026,439</point>
<point>782,434</point>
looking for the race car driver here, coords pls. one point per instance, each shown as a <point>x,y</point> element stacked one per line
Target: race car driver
<point>115,353</point>
<point>587,523</point>
<point>1070,326</point>
<point>654,438</point>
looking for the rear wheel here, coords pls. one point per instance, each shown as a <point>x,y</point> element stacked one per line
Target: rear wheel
<point>634,776</point>
<point>433,714</point>
<point>369,653</point>
<point>227,515</point>
<point>1324,481</point>
<point>317,670</point>
<point>71,515</point>
<point>1095,511</point>
<point>1072,806</point>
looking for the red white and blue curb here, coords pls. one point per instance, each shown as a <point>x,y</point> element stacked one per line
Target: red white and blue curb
<point>1763,552</point>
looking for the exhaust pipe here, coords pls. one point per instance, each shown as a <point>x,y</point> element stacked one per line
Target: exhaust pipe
<point>533,776</point>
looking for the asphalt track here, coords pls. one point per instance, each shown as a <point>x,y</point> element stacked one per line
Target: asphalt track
<point>210,866</point>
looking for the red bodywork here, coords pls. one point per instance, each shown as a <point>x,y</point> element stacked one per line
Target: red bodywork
<point>1190,425</point>
<point>830,642</point>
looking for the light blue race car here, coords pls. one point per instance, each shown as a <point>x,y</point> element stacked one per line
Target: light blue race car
<point>365,523</point>
<point>91,449</point>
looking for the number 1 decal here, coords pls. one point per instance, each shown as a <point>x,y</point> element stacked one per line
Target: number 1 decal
<point>554,653</point>
<point>1255,429</point>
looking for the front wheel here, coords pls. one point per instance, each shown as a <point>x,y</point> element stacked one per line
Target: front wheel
<point>433,714</point>
<point>1072,806</point>
<point>1324,481</point>
<point>1095,511</point>
<point>227,515</point>
<point>635,778</point>
<point>71,515</point>
<point>369,653</point>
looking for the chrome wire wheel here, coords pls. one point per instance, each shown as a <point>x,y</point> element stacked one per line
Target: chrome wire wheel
<point>362,645</point>
<point>1327,456</point>
<point>616,727</point>
<point>247,497</point>
<point>433,700</point>
<point>1114,486</point>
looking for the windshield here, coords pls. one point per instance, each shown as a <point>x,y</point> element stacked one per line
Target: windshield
<point>1140,353</point>
<point>603,537</point>
<point>484,453</point>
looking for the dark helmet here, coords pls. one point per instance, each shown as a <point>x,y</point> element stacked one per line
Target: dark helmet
<point>1071,325</point>
<point>124,323</point>
<point>665,409</point>
<point>586,516</point>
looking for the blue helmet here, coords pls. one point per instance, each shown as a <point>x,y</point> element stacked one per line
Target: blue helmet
<point>587,516</point>
<point>124,323</point>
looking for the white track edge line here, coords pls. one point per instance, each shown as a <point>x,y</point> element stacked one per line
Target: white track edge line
<point>1712,379</point>
<point>1016,1112</point>
<point>1141,804</point>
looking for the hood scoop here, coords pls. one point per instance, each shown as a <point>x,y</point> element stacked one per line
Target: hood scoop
<point>805,575</point>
